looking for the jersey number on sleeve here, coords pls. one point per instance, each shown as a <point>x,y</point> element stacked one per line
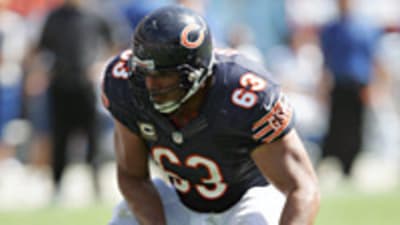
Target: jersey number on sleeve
<point>194,161</point>
<point>245,96</point>
<point>120,69</point>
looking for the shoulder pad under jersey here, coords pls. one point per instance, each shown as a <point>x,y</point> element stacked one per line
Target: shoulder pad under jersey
<point>255,98</point>
<point>116,92</point>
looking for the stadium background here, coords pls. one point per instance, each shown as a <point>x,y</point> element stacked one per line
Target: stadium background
<point>370,196</point>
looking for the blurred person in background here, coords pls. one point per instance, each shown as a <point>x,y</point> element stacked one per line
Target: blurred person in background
<point>13,49</point>
<point>349,46</point>
<point>37,154</point>
<point>298,66</point>
<point>71,42</point>
<point>216,125</point>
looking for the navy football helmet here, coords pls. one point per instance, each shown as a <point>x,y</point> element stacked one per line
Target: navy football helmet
<point>172,40</point>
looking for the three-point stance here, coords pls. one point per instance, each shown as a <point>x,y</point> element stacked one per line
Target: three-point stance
<point>214,122</point>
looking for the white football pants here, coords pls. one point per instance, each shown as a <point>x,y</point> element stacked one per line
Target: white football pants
<point>259,206</point>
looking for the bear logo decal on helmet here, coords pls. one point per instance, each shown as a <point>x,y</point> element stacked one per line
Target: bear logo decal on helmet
<point>185,36</point>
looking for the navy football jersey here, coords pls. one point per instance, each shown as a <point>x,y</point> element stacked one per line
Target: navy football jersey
<point>209,160</point>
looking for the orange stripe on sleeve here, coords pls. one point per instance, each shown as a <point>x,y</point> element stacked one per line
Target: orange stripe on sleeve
<point>265,118</point>
<point>262,132</point>
<point>285,122</point>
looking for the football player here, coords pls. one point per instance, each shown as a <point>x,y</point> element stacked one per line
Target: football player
<point>216,124</point>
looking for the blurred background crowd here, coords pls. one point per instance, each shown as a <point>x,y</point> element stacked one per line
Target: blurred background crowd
<point>337,60</point>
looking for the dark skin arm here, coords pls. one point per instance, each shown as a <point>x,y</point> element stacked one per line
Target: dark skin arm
<point>134,179</point>
<point>286,165</point>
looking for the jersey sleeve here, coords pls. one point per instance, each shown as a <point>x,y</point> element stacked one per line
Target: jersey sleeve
<point>257,99</point>
<point>273,116</point>
<point>116,92</point>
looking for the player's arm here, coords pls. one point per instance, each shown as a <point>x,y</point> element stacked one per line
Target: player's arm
<point>286,165</point>
<point>134,179</point>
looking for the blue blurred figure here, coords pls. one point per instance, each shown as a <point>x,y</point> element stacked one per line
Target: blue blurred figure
<point>348,45</point>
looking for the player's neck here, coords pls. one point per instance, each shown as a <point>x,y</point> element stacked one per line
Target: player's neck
<point>191,108</point>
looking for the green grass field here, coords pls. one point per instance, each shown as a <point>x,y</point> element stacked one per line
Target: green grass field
<point>347,208</point>
<point>94,215</point>
<point>352,208</point>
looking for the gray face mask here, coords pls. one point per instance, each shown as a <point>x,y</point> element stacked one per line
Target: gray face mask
<point>171,106</point>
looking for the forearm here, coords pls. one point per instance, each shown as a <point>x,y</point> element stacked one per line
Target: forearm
<point>301,208</point>
<point>143,199</point>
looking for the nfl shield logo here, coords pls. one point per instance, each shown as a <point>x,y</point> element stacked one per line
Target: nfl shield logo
<point>177,137</point>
